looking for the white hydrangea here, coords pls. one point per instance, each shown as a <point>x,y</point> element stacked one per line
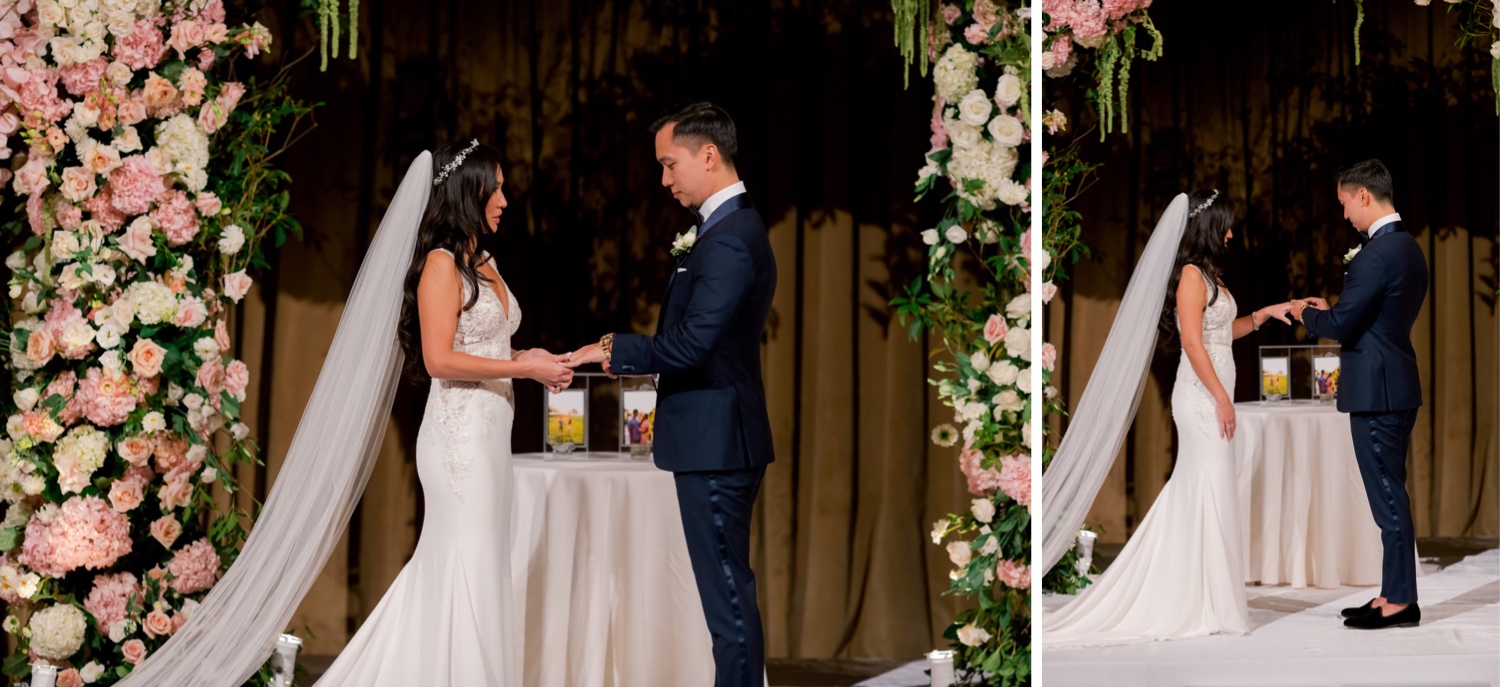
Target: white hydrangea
<point>57,631</point>
<point>954,74</point>
<point>1012,192</point>
<point>154,422</point>
<point>152,302</point>
<point>79,453</point>
<point>184,142</point>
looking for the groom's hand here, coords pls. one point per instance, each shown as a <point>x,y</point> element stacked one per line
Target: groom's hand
<point>1298,306</point>
<point>1316,302</point>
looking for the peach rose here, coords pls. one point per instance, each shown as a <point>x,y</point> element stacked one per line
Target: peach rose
<point>237,285</point>
<point>78,184</point>
<point>166,530</point>
<point>69,678</point>
<point>995,329</point>
<point>146,357</point>
<point>136,242</point>
<point>160,94</point>
<point>178,620</point>
<point>136,450</point>
<point>176,494</point>
<point>211,376</point>
<point>132,111</point>
<point>102,159</point>
<point>40,347</point>
<point>125,495</point>
<point>134,650</point>
<point>221,335</point>
<point>157,624</point>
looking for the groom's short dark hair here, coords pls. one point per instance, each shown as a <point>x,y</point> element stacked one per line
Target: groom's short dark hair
<point>703,122</point>
<point>1370,174</point>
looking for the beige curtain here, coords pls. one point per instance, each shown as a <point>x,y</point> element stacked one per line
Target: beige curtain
<point>830,145</point>
<point>1267,115</point>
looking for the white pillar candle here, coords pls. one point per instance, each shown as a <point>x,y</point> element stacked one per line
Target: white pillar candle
<point>285,665</point>
<point>43,675</point>
<point>941,665</point>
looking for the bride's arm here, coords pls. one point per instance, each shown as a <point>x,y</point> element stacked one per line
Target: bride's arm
<point>439,302</point>
<point>1192,298</point>
<point>1252,322</point>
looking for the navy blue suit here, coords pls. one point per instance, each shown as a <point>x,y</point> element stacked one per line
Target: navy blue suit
<point>1384,287</point>
<point>714,433</point>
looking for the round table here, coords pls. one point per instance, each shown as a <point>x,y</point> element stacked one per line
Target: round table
<point>600,566</point>
<point>1302,503</point>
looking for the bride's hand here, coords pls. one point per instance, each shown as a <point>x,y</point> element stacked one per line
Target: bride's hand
<point>551,372</point>
<point>1225,411</point>
<point>1280,311</point>
<point>534,353</point>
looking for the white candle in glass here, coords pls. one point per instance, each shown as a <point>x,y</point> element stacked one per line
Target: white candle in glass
<point>43,675</point>
<point>941,664</point>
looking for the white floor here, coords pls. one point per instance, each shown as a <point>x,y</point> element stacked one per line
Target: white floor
<point>1299,640</point>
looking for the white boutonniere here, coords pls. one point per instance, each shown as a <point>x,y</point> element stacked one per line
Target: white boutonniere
<point>683,243</point>
<point>1349,257</point>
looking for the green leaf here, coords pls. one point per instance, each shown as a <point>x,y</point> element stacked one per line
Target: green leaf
<point>10,538</point>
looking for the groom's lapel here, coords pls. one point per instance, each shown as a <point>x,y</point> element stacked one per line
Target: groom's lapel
<point>730,205</point>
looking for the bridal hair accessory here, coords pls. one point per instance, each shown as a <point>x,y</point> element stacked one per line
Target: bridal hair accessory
<point>1201,207</point>
<point>457,161</point>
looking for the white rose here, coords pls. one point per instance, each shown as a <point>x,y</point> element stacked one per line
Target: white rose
<point>959,553</point>
<point>975,108</point>
<point>49,13</point>
<point>129,140</point>
<point>193,401</point>
<point>109,335</point>
<point>209,475</point>
<point>1023,380</point>
<point>983,510</point>
<point>121,630</point>
<point>938,528</point>
<point>154,422</point>
<point>197,453</point>
<point>174,392</point>
<point>1007,131</point>
<point>240,431</point>
<point>233,240</point>
<point>91,672</point>
<point>956,234</point>
<point>930,237</point>
<point>1495,47</point>
<point>111,360</point>
<point>16,261</point>
<point>1003,373</point>
<point>64,244</point>
<point>1008,400</point>
<point>78,335</point>
<point>973,636</point>
<point>962,134</point>
<point>1018,343</point>
<point>1019,308</point>
<point>1008,89</point>
<point>990,546</point>
<point>980,360</point>
<point>26,399</point>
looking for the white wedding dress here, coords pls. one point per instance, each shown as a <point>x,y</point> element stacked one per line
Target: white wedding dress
<point>448,619</point>
<point>1182,574</point>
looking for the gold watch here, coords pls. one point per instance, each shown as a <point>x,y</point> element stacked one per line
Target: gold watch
<point>607,343</point>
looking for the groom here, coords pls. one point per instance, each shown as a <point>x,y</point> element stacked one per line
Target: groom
<point>1384,286</point>
<point>715,434</point>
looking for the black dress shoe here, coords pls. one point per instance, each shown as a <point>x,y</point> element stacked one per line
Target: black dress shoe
<point>1366,608</point>
<point>1409,617</point>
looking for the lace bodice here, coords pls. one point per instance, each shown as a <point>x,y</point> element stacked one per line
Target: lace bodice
<point>466,407</point>
<point>1218,338</point>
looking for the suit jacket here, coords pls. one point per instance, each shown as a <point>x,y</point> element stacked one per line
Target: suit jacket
<point>710,398</point>
<point>1384,287</point>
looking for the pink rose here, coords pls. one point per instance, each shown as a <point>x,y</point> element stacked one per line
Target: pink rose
<point>132,111</point>
<point>1049,290</point>
<point>157,624</point>
<point>221,335</point>
<point>161,96</point>
<point>137,241</point>
<point>1014,574</point>
<point>206,59</point>
<point>136,450</point>
<point>211,376</point>
<point>166,530</point>
<point>68,216</point>
<point>995,329</point>
<point>976,34</point>
<point>178,621</point>
<point>176,494</point>
<point>32,178</point>
<point>134,650</point>
<point>190,314</point>
<point>68,677</point>
<point>146,357</point>
<point>208,204</point>
<point>40,347</point>
<point>102,159</point>
<point>237,285</point>
<point>125,495</point>
<point>236,378</point>
<point>951,13</point>
<point>187,35</point>
<point>1049,356</point>
<point>77,184</point>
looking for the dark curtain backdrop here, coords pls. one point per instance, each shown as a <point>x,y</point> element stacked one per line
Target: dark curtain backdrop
<point>830,143</point>
<point>1266,106</point>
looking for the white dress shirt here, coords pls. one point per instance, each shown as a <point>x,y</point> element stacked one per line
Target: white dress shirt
<point>709,206</point>
<point>1376,225</point>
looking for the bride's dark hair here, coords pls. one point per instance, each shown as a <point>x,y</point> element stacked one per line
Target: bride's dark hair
<point>454,220</point>
<point>1203,247</point>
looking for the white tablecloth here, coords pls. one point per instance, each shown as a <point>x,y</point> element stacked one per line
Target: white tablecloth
<point>600,564</point>
<point>1302,503</point>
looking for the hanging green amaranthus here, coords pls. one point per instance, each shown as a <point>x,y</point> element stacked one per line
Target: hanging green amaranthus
<point>329,26</point>
<point>913,18</point>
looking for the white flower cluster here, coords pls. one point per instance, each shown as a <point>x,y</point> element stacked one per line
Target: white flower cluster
<point>75,30</point>
<point>57,631</point>
<point>18,479</point>
<point>186,146</point>
<point>955,73</point>
<point>982,132</point>
<point>79,453</point>
<point>152,302</point>
<point>14,582</point>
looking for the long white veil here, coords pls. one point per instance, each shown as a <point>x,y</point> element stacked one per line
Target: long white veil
<point>337,442</point>
<point>1107,407</point>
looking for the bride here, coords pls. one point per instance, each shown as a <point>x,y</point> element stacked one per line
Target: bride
<point>1181,574</point>
<point>447,619</point>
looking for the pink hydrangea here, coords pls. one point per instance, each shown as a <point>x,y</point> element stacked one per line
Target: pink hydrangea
<point>144,48</point>
<point>1014,574</point>
<point>86,533</point>
<point>135,185</point>
<point>68,216</point>
<point>939,137</point>
<point>1088,20</point>
<point>106,397</point>
<point>1015,478</point>
<point>36,91</point>
<point>84,77</point>
<point>102,210</point>
<point>170,450</point>
<point>195,568</point>
<point>177,217</point>
<point>36,213</point>
<point>59,318</point>
<point>982,481</point>
<point>110,597</point>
